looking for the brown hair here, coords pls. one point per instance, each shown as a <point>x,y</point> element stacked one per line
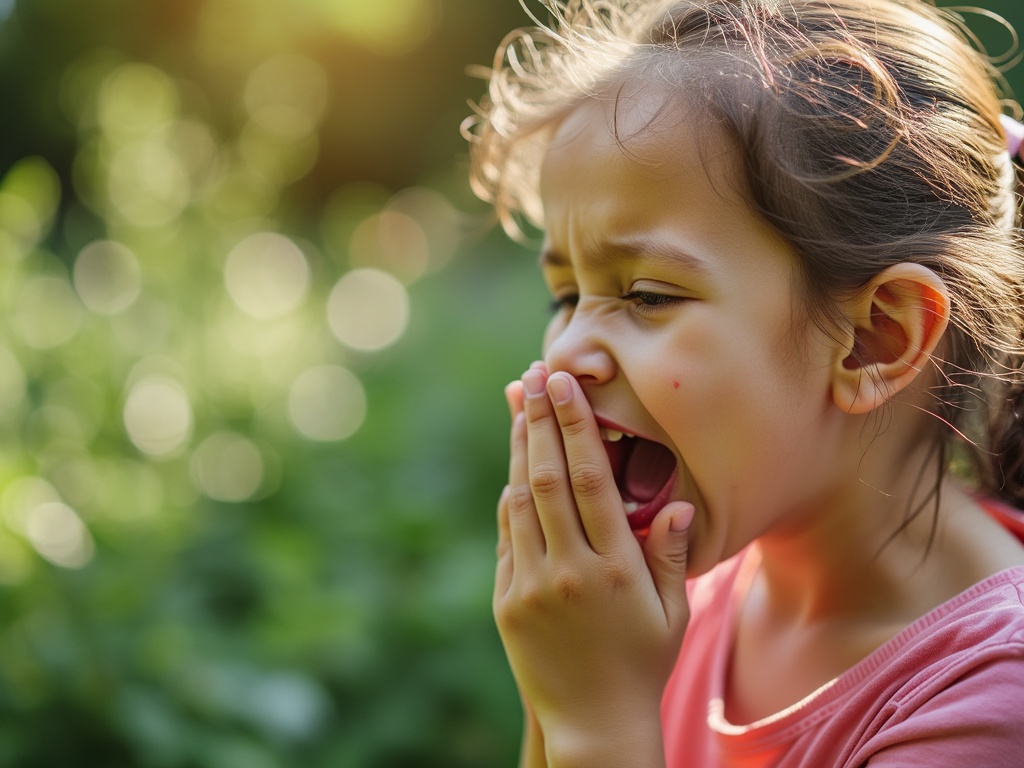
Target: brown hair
<point>870,135</point>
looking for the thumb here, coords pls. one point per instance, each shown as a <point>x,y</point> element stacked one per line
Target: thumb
<point>666,552</point>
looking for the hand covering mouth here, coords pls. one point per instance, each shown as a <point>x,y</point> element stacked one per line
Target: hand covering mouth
<point>645,474</point>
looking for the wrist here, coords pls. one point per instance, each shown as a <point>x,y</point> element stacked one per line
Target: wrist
<point>532,752</point>
<point>636,742</point>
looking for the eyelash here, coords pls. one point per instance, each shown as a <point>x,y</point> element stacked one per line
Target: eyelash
<point>649,299</point>
<point>645,302</point>
<point>563,302</point>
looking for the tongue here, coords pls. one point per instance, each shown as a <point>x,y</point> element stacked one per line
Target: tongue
<point>647,470</point>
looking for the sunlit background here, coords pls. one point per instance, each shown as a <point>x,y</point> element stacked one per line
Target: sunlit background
<point>254,334</point>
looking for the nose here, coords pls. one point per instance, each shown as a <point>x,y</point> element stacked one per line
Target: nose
<point>578,348</point>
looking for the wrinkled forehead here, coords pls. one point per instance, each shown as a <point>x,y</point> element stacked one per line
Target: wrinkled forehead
<point>653,129</point>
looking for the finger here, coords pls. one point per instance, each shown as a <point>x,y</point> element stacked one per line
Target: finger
<point>666,551</point>
<point>525,531</point>
<point>514,391</point>
<point>549,479</point>
<point>503,571</point>
<point>514,398</point>
<point>590,474</point>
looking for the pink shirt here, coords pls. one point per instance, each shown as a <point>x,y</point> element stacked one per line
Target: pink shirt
<point>946,691</point>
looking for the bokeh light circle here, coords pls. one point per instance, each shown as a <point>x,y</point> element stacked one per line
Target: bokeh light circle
<point>287,96</point>
<point>441,222</point>
<point>368,309</point>
<point>327,403</point>
<point>29,198</point>
<point>148,184</point>
<point>59,535</point>
<point>267,275</point>
<point>47,312</point>
<point>394,28</point>
<point>134,99</point>
<point>21,497</point>
<point>228,467</point>
<point>392,241</point>
<point>107,277</point>
<point>158,415</point>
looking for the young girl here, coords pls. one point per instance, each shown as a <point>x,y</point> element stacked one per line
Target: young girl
<point>785,364</point>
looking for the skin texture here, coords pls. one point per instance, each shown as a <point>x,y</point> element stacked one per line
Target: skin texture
<point>681,321</point>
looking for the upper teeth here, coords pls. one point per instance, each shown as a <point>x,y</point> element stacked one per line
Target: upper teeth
<point>613,435</point>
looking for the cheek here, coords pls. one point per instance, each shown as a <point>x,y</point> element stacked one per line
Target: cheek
<point>554,328</point>
<point>721,412</point>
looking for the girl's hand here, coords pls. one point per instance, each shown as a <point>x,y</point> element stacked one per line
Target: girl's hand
<point>591,622</point>
<point>532,752</point>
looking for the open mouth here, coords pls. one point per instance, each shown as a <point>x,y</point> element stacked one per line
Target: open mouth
<point>645,473</point>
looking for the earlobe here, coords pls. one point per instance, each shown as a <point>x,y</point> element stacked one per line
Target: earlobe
<point>894,328</point>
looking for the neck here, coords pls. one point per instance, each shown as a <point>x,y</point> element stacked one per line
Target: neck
<point>868,555</point>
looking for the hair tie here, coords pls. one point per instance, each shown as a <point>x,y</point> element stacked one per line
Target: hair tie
<point>1014,134</point>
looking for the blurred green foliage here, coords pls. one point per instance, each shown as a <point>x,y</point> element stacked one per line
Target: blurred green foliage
<point>254,334</point>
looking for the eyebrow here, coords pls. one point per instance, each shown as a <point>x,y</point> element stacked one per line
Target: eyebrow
<point>632,249</point>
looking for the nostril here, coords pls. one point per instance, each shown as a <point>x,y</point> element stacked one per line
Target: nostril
<point>587,366</point>
<point>587,379</point>
<point>582,377</point>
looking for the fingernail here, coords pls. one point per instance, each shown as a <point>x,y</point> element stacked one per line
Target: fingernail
<point>681,520</point>
<point>533,382</point>
<point>560,389</point>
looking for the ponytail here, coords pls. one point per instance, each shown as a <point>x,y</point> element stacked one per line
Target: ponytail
<point>1006,433</point>
<point>1003,465</point>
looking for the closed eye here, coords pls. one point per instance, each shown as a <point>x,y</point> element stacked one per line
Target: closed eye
<point>647,302</point>
<point>567,301</point>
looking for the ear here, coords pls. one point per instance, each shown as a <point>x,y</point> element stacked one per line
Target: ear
<point>895,325</point>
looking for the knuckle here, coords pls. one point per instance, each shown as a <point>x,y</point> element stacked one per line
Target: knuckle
<point>519,607</point>
<point>500,607</point>
<point>677,558</point>
<point>538,417</point>
<point>507,619</point>
<point>520,501</point>
<point>546,481</point>
<point>590,480</point>
<point>575,426</point>
<point>568,585</point>
<point>503,548</point>
<point>617,574</point>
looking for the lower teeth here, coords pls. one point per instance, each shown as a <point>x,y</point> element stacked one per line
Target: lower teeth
<point>631,506</point>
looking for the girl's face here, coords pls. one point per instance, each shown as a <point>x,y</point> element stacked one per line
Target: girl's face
<point>678,310</point>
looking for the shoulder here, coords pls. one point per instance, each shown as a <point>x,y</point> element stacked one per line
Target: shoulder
<point>981,626</point>
<point>972,719</point>
<point>957,683</point>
